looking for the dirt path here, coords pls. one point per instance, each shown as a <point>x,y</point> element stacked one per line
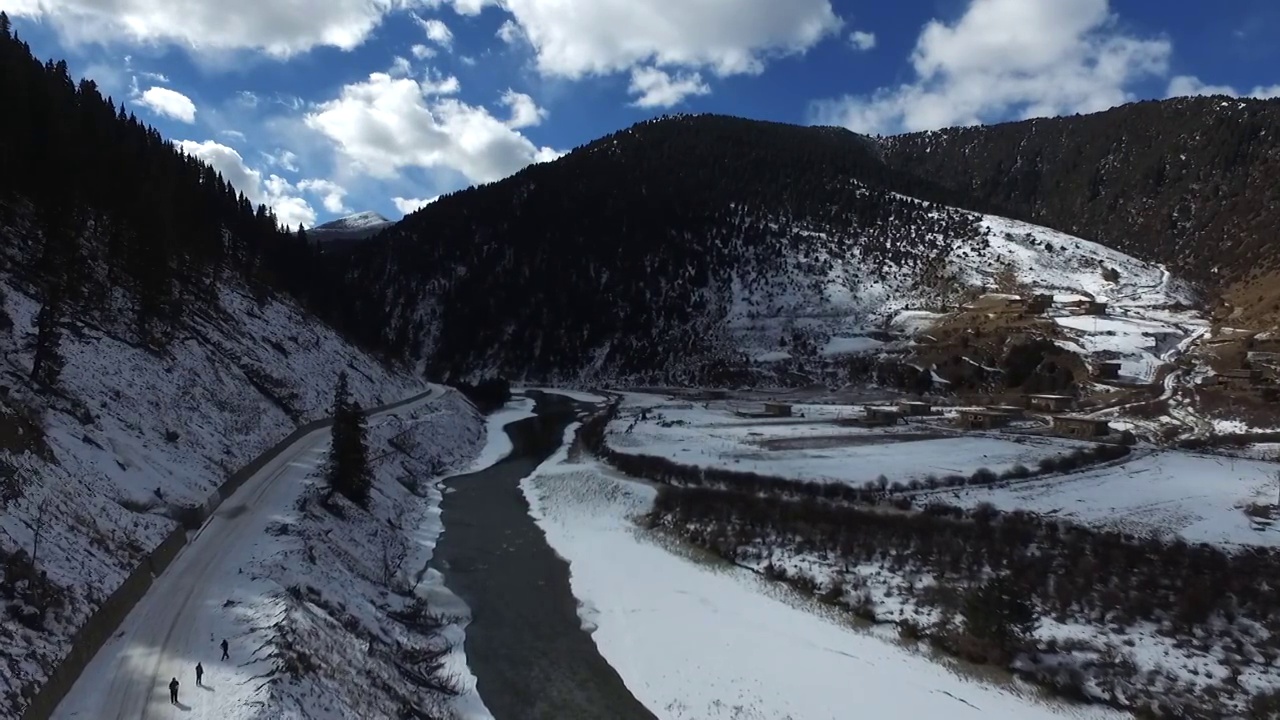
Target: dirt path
<point>525,642</point>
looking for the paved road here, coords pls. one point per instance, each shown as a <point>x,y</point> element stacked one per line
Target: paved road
<point>182,618</point>
<point>525,642</point>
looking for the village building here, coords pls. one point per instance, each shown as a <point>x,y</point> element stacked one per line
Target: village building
<point>1039,304</point>
<point>1080,427</point>
<point>1242,377</point>
<point>983,419</point>
<point>915,408</point>
<point>1050,403</point>
<point>1106,371</point>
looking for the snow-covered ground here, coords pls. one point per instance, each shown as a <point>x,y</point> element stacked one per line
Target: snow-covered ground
<point>312,601</point>
<point>1200,498</point>
<point>699,640</point>
<point>140,435</point>
<point>811,448</point>
<point>839,301</point>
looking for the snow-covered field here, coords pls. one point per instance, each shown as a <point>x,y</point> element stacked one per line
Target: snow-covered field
<point>810,448</point>
<point>1200,498</point>
<point>139,435</point>
<point>296,588</point>
<point>695,640</point>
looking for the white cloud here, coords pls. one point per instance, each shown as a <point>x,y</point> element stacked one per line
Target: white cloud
<point>332,195</point>
<point>280,29</point>
<point>862,40</point>
<point>657,88</point>
<point>524,111</point>
<point>408,205</point>
<point>576,38</point>
<point>1186,85</point>
<point>273,191</point>
<point>400,67</point>
<point>436,31</point>
<point>384,124</point>
<point>1007,58</point>
<point>155,77</point>
<point>168,103</point>
<point>233,134</point>
<point>284,159</point>
<point>509,32</point>
<point>422,52</point>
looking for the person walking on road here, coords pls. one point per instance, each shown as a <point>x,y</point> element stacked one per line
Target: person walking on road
<point>224,649</point>
<point>199,675</point>
<point>173,691</point>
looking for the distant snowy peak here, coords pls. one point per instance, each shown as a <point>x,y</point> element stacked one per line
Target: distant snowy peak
<point>359,221</point>
<point>352,227</point>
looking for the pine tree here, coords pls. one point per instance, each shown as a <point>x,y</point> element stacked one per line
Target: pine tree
<point>347,471</point>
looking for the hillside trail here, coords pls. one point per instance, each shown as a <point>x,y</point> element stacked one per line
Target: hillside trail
<point>189,610</point>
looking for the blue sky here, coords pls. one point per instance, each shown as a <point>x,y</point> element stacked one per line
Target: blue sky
<point>324,107</point>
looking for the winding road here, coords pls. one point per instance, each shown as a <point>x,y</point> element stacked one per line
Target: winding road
<point>188,609</point>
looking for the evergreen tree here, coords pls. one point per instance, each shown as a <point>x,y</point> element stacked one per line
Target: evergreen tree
<point>347,471</point>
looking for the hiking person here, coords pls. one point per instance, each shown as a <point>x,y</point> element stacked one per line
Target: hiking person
<point>199,675</point>
<point>173,691</point>
<point>224,649</point>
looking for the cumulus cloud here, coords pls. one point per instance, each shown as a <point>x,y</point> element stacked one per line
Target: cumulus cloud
<point>422,52</point>
<point>1186,85</point>
<point>167,103</point>
<point>524,111</point>
<point>658,89</point>
<point>280,29</point>
<point>862,40</point>
<point>273,190</point>
<point>1008,57</point>
<point>436,31</point>
<point>384,124</point>
<point>577,38</point>
<point>332,195</point>
<point>408,205</point>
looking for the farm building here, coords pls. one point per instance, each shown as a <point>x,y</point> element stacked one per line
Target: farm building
<point>881,417</point>
<point>983,419</point>
<point>1080,427</point>
<point>1039,304</point>
<point>914,408</point>
<point>1050,403</point>
<point>776,409</point>
<point>1090,307</point>
<point>1015,412</point>
<point>1106,371</point>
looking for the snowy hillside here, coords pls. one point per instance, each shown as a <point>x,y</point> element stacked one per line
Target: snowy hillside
<point>135,438</point>
<point>836,303</point>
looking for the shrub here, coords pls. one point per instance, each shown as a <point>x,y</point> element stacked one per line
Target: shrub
<point>982,476</point>
<point>1048,465</point>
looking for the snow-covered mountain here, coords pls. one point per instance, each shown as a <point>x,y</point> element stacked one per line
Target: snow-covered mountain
<point>719,250</point>
<point>352,227</point>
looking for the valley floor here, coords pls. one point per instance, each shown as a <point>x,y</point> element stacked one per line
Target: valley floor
<point>694,638</point>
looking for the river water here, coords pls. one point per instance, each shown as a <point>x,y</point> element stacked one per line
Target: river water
<point>525,643</point>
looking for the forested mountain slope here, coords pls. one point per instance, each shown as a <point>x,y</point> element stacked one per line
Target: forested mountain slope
<point>156,334</point>
<point>1189,182</point>
<point>687,248</point>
